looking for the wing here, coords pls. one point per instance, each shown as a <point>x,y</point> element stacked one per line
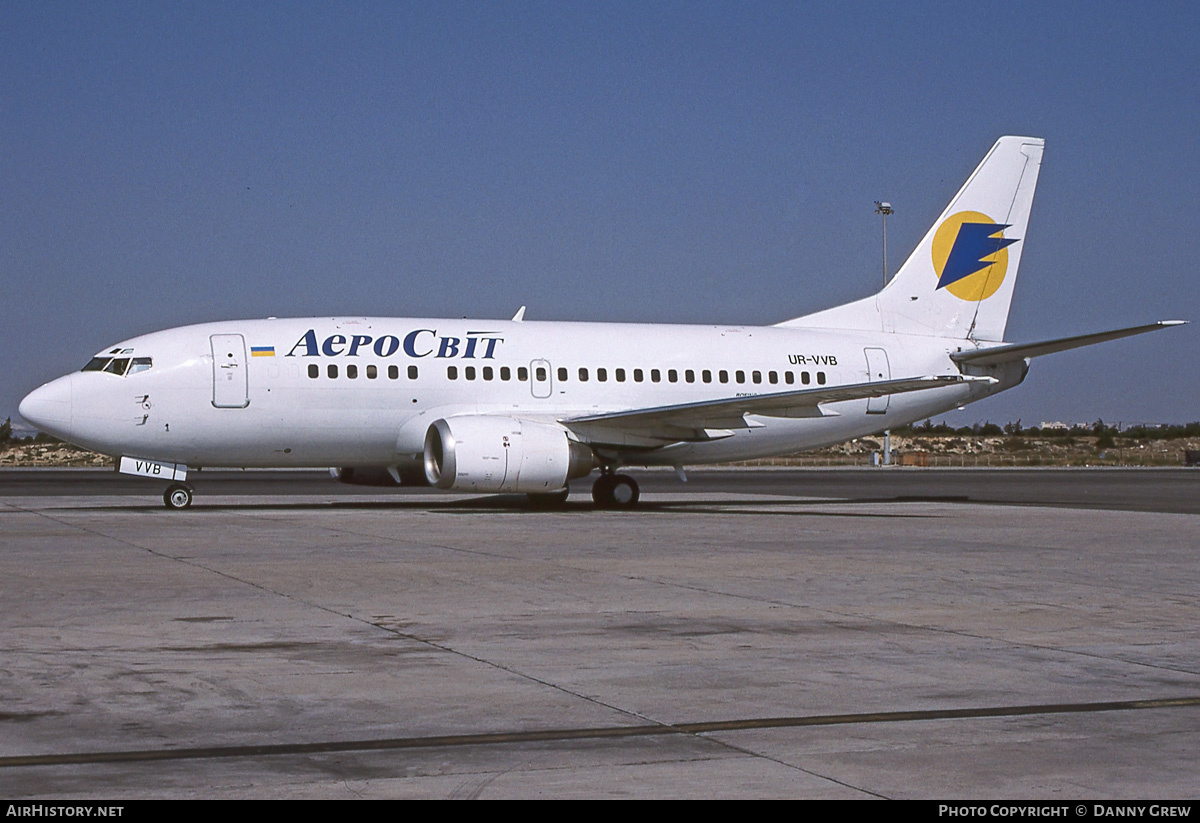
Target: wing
<point>715,419</point>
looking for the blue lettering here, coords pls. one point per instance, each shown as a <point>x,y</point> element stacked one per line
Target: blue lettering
<point>410,343</point>
<point>309,340</point>
<point>386,346</point>
<point>468,348</point>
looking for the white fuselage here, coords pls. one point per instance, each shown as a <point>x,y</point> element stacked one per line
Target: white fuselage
<point>364,391</point>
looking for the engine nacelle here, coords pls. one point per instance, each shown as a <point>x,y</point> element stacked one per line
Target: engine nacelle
<point>481,453</point>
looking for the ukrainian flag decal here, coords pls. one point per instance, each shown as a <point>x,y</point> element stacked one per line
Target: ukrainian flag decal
<point>262,351</point>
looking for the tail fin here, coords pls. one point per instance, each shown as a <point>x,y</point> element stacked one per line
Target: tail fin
<point>959,281</point>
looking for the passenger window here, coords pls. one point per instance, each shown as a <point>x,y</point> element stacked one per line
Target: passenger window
<point>505,373</point>
<point>452,372</point>
<point>706,376</point>
<point>805,378</point>
<point>739,376</point>
<point>393,372</point>
<point>772,377</point>
<point>723,376</point>
<point>412,372</point>
<point>673,375</point>
<point>541,372</point>
<point>314,370</point>
<point>332,371</point>
<point>470,372</point>
<point>352,372</point>
<point>562,374</point>
<point>638,376</point>
<point>789,378</point>
<point>821,378</point>
<point>583,375</point>
<point>620,375</point>
<point>523,374</point>
<point>372,372</point>
<point>602,375</point>
<point>655,376</point>
<point>689,376</point>
<point>488,373</point>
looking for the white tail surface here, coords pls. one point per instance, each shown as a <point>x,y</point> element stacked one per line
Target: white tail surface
<point>959,281</point>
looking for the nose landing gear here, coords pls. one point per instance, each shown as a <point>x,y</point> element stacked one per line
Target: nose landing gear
<point>615,491</point>
<point>178,496</point>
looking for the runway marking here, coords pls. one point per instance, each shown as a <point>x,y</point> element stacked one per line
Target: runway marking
<point>595,733</point>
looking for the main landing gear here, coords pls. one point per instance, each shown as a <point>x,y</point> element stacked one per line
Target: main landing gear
<point>615,491</point>
<point>178,496</point>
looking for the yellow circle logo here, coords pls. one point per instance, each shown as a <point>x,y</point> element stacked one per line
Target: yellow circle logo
<point>970,255</point>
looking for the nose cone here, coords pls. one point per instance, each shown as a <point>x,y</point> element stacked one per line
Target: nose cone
<point>49,407</point>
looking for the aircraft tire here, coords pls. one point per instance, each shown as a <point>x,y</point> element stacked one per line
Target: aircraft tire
<point>602,491</point>
<point>177,496</point>
<point>624,492</point>
<point>615,491</point>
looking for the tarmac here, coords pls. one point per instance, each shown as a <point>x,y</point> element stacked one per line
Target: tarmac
<point>729,638</point>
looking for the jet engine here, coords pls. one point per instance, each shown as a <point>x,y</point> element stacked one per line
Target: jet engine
<point>481,453</point>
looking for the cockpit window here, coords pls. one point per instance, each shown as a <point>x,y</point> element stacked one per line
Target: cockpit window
<point>118,366</point>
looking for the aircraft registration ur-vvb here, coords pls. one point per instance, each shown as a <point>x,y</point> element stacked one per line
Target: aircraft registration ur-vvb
<point>520,406</point>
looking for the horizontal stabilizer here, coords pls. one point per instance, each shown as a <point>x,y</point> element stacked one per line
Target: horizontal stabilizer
<point>1010,352</point>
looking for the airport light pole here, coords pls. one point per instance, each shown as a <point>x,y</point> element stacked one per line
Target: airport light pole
<point>884,209</point>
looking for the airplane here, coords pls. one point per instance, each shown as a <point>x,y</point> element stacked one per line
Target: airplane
<point>488,406</point>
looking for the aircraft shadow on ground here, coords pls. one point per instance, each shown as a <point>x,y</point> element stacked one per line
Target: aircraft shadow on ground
<point>518,505</point>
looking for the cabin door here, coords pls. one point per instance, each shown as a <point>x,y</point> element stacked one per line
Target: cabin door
<point>229,371</point>
<point>877,370</point>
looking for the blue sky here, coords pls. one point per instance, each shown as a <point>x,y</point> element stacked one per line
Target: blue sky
<point>170,163</point>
